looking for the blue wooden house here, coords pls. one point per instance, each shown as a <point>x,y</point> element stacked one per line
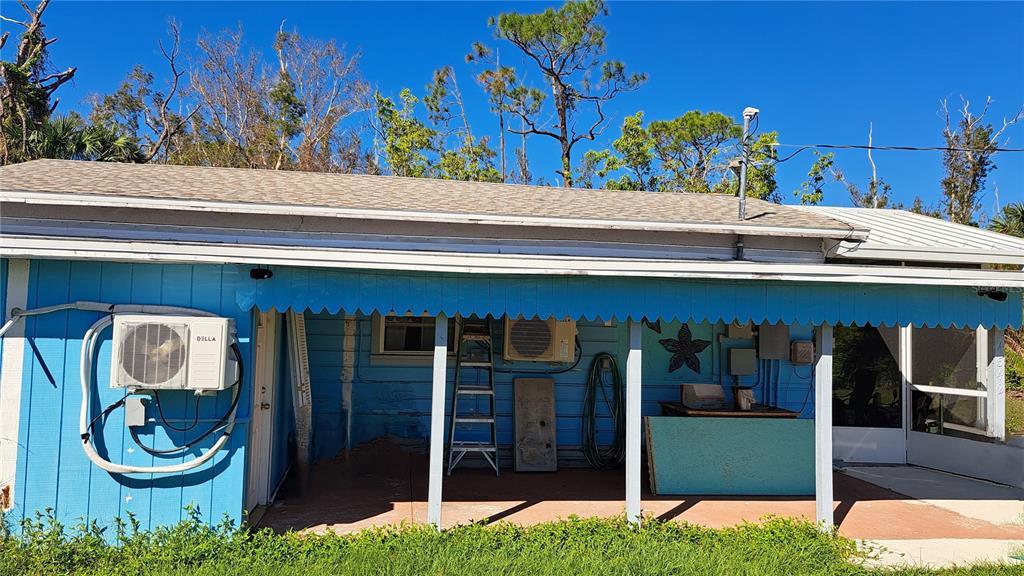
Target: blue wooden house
<point>878,334</point>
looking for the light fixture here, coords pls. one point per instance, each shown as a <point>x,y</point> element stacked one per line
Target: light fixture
<point>260,273</point>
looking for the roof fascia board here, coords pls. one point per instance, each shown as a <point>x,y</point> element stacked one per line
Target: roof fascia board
<point>580,248</point>
<point>64,248</point>
<point>53,198</point>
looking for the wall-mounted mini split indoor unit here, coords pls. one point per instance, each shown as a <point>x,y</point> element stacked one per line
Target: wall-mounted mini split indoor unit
<point>172,353</point>
<point>536,340</point>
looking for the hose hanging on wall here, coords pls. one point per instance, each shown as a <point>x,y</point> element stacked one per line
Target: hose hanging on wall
<point>89,342</point>
<point>613,395</point>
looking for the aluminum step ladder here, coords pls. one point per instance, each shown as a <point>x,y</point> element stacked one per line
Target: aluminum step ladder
<point>475,352</point>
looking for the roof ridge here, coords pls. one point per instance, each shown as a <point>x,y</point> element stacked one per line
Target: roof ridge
<point>411,179</point>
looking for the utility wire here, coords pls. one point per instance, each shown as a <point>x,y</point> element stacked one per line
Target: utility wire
<point>804,147</point>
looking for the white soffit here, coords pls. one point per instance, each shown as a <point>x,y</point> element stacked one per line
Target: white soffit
<point>194,253</point>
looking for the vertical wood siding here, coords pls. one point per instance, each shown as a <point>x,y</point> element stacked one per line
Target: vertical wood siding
<point>395,400</point>
<point>53,472</point>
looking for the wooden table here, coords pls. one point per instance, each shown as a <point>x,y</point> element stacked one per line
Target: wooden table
<point>725,411</point>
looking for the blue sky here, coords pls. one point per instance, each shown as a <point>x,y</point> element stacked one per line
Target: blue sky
<point>819,72</point>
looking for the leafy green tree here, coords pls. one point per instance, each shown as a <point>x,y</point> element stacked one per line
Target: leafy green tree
<point>971,146</point>
<point>461,157</point>
<point>567,44</point>
<point>27,83</point>
<point>691,149</point>
<point>634,154</point>
<point>696,152</point>
<point>407,142</point>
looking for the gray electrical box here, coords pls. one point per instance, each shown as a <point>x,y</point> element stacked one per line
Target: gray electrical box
<point>773,341</point>
<point>801,352</point>
<point>742,361</point>
<point>737,330</point>
<point>134,411</point>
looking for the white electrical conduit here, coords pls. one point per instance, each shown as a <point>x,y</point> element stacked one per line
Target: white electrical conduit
<point>85,375</point>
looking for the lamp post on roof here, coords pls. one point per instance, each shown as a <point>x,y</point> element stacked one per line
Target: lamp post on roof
<point>749,114</point>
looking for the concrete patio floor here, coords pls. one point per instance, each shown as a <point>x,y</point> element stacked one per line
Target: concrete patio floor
<point>979,499</point>
<point>380,485</point>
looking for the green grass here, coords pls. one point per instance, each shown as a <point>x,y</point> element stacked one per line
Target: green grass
<point>565,548</point>
<point>1014,414</point>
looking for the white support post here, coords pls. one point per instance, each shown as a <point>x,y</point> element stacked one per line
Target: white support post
<point>981,369</point>
<point>633,397</point>
<point>440,380</point>
<point>906,375</point>
<point>823,428</point>
<point>11,365</point>
<point>995,385</point>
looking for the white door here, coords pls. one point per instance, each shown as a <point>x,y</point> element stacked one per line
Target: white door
<point>868,391</point>
<point>261,428</point>
<point>955,389</point>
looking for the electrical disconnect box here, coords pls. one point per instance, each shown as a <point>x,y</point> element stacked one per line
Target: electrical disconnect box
<point>801,352</point>
<point>134,411</point>
<point>737,330</point>
<point>742,361</point>
<point>773,341</point>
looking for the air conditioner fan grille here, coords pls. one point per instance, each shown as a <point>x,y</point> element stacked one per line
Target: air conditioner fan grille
<point>530,338</point>
<point>152,352</point>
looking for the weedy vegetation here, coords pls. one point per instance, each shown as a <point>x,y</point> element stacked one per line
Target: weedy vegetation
<point>42,545</point>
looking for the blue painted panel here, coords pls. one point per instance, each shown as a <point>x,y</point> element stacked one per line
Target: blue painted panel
<point>736,456</point>
<point>52,471</point>
<point>621,298</point>
<point>394,400</point>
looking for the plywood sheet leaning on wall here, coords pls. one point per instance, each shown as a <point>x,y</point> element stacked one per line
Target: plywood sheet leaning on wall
<point>730,456</point>
<point>536,447</point>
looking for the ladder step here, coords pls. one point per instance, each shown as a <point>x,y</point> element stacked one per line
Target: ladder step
<point>474,419</point>
<point>476,338</point>
<point>474,390</point>
<point>475,364</point>
<point>473,446</point>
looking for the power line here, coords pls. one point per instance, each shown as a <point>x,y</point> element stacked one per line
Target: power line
<point>803,147</point>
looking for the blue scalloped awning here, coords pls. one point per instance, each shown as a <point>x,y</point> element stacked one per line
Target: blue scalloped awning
<point>602,297</point>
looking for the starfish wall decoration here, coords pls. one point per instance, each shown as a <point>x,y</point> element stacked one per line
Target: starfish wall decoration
<point>684,350</point>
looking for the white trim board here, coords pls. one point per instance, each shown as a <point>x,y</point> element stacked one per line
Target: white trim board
<point>63,199</point>
<point>724,249</point>
<point>425,261</point>
<point>11,370</point>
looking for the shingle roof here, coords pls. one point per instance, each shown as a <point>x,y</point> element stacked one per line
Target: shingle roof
<point>276,189</point>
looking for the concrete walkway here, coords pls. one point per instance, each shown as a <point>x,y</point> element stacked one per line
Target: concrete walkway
<point>977,499</point>
<point>944,552</point>
<point>1001,507</point>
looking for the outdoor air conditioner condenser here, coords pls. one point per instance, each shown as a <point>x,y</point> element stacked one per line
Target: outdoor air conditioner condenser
<point>536,340</point>
<point>172,353</point>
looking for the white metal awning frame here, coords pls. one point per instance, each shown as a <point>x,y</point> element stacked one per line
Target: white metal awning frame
<point>71,248</point>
